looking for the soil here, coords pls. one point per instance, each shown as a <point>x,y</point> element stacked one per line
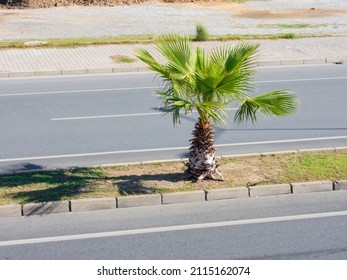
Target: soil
<point>149,178</point>
<point>35,4</point>
<point>243,11</point>
<point>236,9</point>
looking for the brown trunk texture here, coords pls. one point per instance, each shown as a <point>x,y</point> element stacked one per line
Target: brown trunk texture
<point>202,161</point>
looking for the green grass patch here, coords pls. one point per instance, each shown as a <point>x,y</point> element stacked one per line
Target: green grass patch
<point>311,167</point>
<point>168,177</point>
<point>286,36</point>
<point>139,39</point>
<point>122,59</point>
<point>285,26</point>
<point>291,26</point>
<point>83,41</point>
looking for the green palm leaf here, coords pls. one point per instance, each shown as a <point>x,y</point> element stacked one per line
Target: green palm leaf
<point>194,78</point>
<point>207,82</point>
<point>277,103</point>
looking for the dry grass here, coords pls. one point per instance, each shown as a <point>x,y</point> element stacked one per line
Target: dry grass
<point>169,177</point>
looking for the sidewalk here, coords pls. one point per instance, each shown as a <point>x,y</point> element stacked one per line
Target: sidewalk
<point>97,59</point>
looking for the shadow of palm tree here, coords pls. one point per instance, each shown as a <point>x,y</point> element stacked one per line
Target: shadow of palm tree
<point>51,185</point>
<point>143,184</point>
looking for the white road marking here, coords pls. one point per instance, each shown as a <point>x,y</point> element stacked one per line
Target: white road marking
<point>171,228</point>
<point>106,116</point>
<point>117,116</point>
<point>302,80</point>
<point>169,149</point>
<point>74,91</point>
<point>151,87</point>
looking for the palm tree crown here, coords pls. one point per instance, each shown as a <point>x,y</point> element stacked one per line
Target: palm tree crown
<point>207,82</point>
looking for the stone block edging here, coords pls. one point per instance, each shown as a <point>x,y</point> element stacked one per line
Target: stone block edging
<point>43,208</point>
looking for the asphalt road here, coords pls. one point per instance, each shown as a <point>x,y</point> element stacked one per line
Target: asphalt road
<point>304,226</point>
<point>87,120</point>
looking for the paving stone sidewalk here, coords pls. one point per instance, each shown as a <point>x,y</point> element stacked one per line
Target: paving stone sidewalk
<point>98,59</point>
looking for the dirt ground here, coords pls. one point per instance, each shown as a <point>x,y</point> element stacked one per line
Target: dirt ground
<point>237,9</point>
<point>160,177</point>
<point>243,11</point>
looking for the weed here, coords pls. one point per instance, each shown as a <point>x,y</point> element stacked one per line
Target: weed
<point>201,33</point>
<point>122,59</point>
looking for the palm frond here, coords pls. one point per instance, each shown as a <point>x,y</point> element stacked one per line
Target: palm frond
<point>240,57</point>
<point>215,110</point>
<point>218,85</point>
<point>152,64</point>
<point>194,78</point>
<point>174,104</point>
<point>178,52</point>
<point>274,103</point>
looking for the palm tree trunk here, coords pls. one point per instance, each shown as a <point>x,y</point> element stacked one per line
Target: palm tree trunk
<point>202,161</point>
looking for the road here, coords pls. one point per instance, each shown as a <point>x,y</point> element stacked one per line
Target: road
<point>88,120</point>
<point>304,226</point>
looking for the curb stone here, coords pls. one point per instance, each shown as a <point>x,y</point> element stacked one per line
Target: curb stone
<point>183,197</point>
<point>308,187</point>
<point>145,69</point>
<point>277,189</point>
<point>15,210</point>
<point>230,193</point>
<point>45,208</point>
<point>340,185</point>
<point>79,205</point>
<point>11,210</point>
<point>317,150</point>
<point>139,200</point>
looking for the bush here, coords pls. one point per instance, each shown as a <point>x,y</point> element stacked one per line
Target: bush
<point>201,33</point>
<point>289,36</point>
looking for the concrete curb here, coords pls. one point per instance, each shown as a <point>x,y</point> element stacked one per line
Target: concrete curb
<point>12,210</point>
<point>340,185</point>
<point>183,197</point>
<point>308,187</point>
<point>277,189</point>
<point>231,193</point>
<point>45,208</point>
<point>139,200</point>
<point>16,210</point>
<point>92,204</point>
<point>130,69</point>
<point>72,72</point>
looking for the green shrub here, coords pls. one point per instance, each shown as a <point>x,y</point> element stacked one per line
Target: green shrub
<point>201,33</point>
<point>288,36</point>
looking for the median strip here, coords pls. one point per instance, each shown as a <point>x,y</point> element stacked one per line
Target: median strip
<point>135,185</point>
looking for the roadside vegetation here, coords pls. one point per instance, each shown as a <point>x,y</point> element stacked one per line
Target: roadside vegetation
<point>207,82</point>
<point>122,59</point>
<point>142,39</point>
<point>201,33</point>
<point>169,177</point>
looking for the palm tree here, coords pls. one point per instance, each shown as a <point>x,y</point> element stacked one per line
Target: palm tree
<point>207,82</point>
